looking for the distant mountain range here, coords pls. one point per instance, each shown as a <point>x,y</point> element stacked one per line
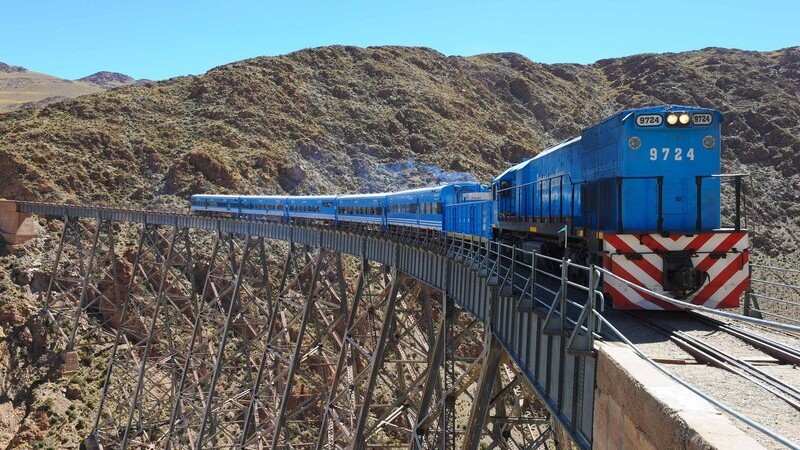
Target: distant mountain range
<point>21,88</point>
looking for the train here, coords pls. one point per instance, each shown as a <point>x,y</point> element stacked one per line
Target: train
<point>638,193</point>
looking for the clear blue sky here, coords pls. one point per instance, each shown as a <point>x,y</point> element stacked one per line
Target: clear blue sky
<point>161,39</point>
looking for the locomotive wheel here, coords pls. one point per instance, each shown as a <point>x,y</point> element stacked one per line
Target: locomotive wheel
<point>579,256</point>
<point>552,250</point>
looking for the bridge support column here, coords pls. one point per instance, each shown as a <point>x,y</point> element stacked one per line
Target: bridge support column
<point>295,359</point>
<point>357,442</point>
<point>483,393</point>
<point>325,436</point>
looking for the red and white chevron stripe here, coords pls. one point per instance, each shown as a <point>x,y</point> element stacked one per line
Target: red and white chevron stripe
<point>728,277</point>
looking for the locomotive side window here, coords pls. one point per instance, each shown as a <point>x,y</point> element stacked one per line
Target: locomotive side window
<point>505,190</point>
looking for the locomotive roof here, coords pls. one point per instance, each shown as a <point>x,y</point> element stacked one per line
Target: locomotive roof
<point>624,114</point>
<point>542,153</point>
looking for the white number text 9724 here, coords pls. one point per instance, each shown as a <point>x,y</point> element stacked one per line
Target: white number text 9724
<point>667,154</point>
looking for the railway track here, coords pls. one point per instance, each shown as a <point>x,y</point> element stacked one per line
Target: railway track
<point>704,352</point>
<point>778,350</point>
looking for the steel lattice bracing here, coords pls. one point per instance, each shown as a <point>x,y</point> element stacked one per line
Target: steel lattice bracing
<point>231,334</point>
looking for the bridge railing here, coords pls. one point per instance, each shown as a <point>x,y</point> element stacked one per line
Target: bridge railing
<point>774,294</point>
<point>565,292</point>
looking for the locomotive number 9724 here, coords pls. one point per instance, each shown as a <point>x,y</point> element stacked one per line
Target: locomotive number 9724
<point>673,154</point>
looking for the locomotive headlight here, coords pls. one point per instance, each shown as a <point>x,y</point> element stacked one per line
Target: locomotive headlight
<point>683,119</point>
<point>709,142</point>
<point>672,119</point>
<point>634,143</point>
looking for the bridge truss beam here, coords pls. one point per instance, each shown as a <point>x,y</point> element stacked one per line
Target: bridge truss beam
<point>255,343</point>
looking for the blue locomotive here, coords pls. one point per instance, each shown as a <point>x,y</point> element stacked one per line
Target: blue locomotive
<point>638,193</point>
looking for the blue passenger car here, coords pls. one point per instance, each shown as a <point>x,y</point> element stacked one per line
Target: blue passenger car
<point>424,208</point>
<point>226,204</point>
<point>322,207</point>
<point>364,208</point>
<point>272,206</point>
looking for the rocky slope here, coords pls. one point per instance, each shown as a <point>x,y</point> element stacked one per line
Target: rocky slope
<point>347,119</point>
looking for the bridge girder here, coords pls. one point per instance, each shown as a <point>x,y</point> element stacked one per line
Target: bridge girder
<point>266,344</point>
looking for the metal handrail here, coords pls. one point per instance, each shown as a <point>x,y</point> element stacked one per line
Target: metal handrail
<point>770,287</point>
<point>685,305</point>
<point>777,269</point>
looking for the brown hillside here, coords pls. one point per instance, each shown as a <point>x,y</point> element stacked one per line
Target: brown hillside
<point>21,88</point>
<point>347,119</point>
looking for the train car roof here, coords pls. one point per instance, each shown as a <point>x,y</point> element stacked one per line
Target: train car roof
<point>365,196</point>
<point>513,168</point>
<point>434,188</point>
<point>544,152</point>
<point>216,195</point>
<point>265,197</point>
<point>547,151</point>
<point>310,197</point>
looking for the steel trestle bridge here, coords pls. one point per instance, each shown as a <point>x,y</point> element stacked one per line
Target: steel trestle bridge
<point>301,335</point>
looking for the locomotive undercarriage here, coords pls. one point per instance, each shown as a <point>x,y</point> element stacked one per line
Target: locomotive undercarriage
<point>708,268</point>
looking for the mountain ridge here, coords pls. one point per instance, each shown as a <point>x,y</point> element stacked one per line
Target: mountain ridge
<point>350,119</point>
<point>21,88</point>
<point>110,80</point>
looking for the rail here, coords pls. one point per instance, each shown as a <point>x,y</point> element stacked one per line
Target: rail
<point>739,416</point>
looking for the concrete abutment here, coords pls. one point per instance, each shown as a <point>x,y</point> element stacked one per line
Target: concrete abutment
<point>16,228</point>
<point>638,407</point>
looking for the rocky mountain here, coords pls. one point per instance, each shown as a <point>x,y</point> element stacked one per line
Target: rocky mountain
<point>21,88</point>
<point>348,119</point>
<point>109,80</point>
